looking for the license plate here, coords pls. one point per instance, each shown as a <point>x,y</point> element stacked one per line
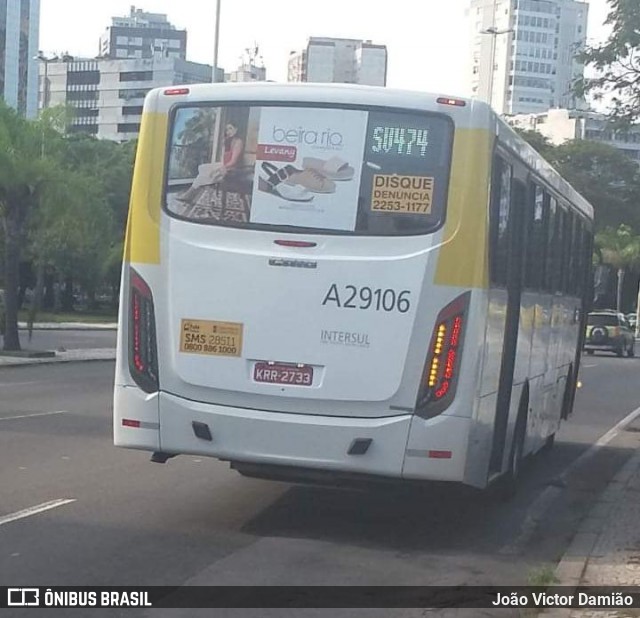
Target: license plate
<point>283,374</point>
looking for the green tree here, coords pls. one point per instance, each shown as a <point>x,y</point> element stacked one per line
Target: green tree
<point>617,62</point>
<point>24,177</point>
<point>539,142</point>
<point>619,248</point>
<point>605,177</point>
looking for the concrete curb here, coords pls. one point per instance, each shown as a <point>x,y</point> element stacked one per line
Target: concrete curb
<point>69,326</point>
<point>70,356</point>
<point>573,564</point>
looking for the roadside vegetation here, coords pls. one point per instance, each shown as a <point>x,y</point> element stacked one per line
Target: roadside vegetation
<point>63,208</point>
<point>605,176</point>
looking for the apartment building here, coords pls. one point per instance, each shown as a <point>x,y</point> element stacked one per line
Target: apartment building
<point>524,53</point>
<point>348,61</point>
<point>107,95</point>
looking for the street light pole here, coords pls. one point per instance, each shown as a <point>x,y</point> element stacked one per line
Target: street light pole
<point>45,82</point>
<point>216,42</point>
<point>494,32</point>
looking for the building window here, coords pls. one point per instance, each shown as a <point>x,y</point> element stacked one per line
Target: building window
<point>132,94</point>
<point>136,76</point>
<point>77,78</point>
<point>132,110</point>
<point>85,112</point>
<point>82,95</point>
<point>129,127</point>
<point>91,129</point>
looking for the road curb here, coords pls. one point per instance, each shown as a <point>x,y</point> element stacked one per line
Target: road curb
<point>573,564</point>
<point>13,362</point>
<point>22,326</point>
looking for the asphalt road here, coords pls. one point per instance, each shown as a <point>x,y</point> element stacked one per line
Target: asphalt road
<point>194,521</point>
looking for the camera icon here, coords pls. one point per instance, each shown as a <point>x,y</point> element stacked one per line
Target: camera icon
<point>23,597</point>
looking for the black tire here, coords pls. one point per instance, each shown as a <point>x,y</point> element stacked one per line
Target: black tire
<point>567,397</point>
<point>631,351</point>
<point>590,352</point>
<point>507,486</point>
<point>620,351</point>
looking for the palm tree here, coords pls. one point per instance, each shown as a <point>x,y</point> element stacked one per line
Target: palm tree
<point>620,248</point>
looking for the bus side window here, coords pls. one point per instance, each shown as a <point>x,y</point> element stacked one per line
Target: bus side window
<point>574,255</point>
<point>564,244</point>
<point>551,268</point>
<point>536,238</point>
<point>499,220</point>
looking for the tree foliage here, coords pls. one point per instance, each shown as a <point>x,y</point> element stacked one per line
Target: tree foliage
<point>606,177</point>
<point>620,248</point>
<point>63,206</point>
<point>617,63</point>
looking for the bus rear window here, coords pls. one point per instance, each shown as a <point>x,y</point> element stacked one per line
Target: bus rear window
<point>372,172</point>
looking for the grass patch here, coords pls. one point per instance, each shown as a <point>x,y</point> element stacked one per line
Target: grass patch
<point>76,316</point>
<point>542,576</point>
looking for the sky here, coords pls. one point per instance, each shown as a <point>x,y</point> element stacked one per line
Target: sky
<point>427,40</point>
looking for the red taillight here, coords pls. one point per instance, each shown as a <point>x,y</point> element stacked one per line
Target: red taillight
<point>295,243</point>
<point>172,92</point>
<point>442,369</point>
<point>450,101</point>
<point>127,422</point>
<point>143,358</point>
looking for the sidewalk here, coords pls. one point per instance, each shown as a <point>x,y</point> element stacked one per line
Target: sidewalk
<point>62,355</point>
<point>606,548</point>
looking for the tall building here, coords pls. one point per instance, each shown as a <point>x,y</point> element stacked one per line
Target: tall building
<point>143,35</point>
<point>524,53</point>
<point>108,95</point>
<point>348,61</point>
<point>19,33</point>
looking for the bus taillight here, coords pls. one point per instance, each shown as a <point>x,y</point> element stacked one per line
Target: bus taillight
<point>440,376</point>
<point>143,357</point>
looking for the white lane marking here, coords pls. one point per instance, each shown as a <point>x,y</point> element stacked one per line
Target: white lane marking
<point>10,384</point>
<point>34,510</point>
<point>589,366</point>
<point>13,418</point>
<point>546,498</point>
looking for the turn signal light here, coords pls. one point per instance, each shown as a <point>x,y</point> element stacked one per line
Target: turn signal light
<point>143,356</point>
<point>443,362</point>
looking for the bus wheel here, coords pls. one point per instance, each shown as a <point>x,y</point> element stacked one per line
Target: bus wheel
<point>567,396</point>
<point>507,486</point>
<point>549,442</point>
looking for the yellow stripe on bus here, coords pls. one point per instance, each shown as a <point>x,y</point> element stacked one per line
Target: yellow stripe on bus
<point>462,259</point>
<point>142,244</point>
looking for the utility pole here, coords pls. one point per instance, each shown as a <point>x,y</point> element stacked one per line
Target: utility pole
<point>216,43</point>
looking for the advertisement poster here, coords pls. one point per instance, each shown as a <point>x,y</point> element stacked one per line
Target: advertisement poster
<point>308,167</point>
<point>380,172</point>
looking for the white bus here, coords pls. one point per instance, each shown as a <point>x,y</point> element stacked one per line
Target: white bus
<point>325,282</point>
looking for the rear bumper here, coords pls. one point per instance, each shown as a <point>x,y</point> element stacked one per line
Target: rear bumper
<point>610,344</point>
<point>401,446</point>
